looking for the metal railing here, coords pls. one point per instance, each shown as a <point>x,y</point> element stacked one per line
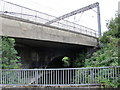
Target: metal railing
<point>58,77</point>
<point>15,10</point>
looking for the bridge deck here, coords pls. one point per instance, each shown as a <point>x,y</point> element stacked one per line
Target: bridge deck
<point>39,17</point>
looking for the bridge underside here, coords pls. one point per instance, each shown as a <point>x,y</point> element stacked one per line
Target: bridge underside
<point>45,54</point>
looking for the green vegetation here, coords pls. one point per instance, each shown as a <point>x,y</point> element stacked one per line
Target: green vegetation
<point>110,83</point>
<point>107,55</point>
<point>109,52</point>
<point>79,60</point>
<point>66,61</point>
<point>9,57</point>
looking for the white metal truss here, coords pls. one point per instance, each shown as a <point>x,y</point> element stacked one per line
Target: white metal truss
<point>74,13</point>
<point>91,6</point>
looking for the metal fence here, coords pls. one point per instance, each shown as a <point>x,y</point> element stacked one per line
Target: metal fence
<point>58,77</point>
<point>15,10</point>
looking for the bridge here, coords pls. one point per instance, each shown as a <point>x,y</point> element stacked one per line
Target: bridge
<point>39,40</point>
<point>42,41</point>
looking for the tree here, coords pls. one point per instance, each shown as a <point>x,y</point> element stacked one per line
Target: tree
<point>110,41</point>
<point>10,60</point>
<point>108,54</point>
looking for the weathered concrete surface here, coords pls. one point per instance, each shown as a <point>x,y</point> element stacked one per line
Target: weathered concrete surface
<point>0,26</point>
<point>20,28</point>
<point>119,8</point>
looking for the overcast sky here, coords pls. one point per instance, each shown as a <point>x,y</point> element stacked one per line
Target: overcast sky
<point>60,7</point>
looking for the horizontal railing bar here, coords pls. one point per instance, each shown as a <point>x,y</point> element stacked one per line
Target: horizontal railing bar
<point>68,68</point>
<point>52,85</point>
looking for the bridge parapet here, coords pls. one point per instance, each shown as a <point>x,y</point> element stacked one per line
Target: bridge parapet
<point>39,17</point>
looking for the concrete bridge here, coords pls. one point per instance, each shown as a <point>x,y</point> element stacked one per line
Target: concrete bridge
<point>41,45</point>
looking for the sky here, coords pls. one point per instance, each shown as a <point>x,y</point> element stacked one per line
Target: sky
<point>57,8</point>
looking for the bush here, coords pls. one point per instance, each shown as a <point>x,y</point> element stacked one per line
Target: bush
<point>10,60</point>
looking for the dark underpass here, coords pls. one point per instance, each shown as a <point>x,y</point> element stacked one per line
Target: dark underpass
<point>44,54</point>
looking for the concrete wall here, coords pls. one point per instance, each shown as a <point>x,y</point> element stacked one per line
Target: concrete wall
<point>119,7</point>
<point>20,28</point>
<point>1,26</point>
